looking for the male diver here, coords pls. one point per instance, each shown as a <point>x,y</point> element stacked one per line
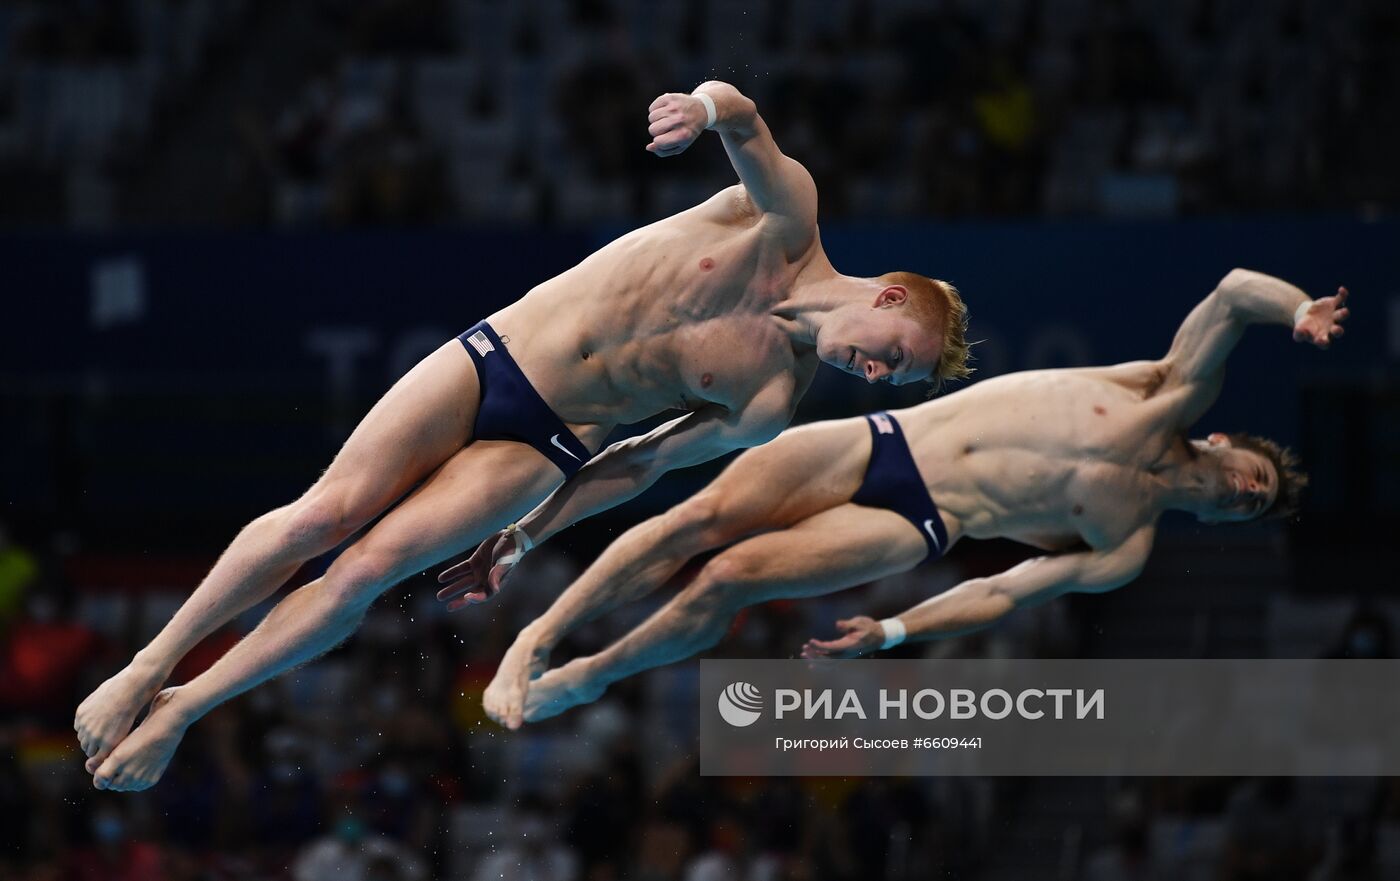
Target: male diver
<point>722,311</point>
<point>1080,463</point>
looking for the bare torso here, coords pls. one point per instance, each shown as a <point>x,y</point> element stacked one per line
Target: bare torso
<point>1051,458</point>
<point>674,315</point>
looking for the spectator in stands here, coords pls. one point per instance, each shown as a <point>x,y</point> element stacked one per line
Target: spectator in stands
<point>532,852</point>
<point>601,811</point>
<point>1265,836</point>
<point>394,27</point>
<point>725,855</point>
<point>78,32</point>
<point>1351,853</point>
<point>1129,857</point>
<point>386,172</point>
<point>46,653</point>
<point>114,854</point>
<point>18,571</point>
<point>597,101</point>
<point>1368,634</point>
<point>351,853</point>
<point>1004,107</point>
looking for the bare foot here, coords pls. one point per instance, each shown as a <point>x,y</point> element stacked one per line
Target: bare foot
<point>139,761</point>
<point>504,699</point>
<point>105,717</point>
<point>562,689</point>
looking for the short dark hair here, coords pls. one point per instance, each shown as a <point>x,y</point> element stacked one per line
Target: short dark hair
<point>1291,479</point>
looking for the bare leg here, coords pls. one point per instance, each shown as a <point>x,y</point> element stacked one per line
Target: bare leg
<point>417,425</point>
<point>833,550</point>
<point>640,561</point>
<point>478,491</point>
<point>804,471</point>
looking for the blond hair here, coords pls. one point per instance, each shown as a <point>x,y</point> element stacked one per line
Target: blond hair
<point>939,309</point>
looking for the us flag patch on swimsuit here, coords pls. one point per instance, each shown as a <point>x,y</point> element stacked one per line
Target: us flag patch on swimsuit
<point>882,423</point>
<point>480,342</point>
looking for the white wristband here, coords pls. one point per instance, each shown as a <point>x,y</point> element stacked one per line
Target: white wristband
<point>523,545</point>
<point>710,113</point>
<point>1302,310</point>
<point>894,632</point>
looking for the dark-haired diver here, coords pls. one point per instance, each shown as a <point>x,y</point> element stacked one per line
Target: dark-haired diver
<point>1079,462</point>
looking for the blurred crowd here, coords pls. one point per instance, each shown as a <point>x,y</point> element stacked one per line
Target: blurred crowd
<point>433,111</point>
<point>375,762</point>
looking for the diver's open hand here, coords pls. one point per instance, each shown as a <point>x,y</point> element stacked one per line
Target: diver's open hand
<point>479,577</point>
<point>1322,322</point>
<point>860,635</point>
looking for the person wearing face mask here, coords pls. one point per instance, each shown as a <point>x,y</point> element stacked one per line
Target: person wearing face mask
<point>353,853</point>
<point>1080,463</point>
<point>115,855</point>
<point>531,852</point>
<point>1367,635</point>
<point>46,652</point>
<point>18,571</point>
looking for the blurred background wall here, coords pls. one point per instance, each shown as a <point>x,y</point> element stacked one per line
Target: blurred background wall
<point>227,227</point>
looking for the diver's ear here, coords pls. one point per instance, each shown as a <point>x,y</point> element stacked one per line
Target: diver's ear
<point>893,295</point>
<point>1217,439</point>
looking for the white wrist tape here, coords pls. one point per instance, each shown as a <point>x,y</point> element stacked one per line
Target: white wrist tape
<point>1302,310</point>
<point>894,632</point>
<point>523,544</point>
<point>710,113</point>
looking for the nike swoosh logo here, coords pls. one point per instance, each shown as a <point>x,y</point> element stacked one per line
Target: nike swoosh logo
<point>928,527</point>
<point>555,440</point>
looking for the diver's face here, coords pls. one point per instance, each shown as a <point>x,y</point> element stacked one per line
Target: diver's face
<point>884,343</point>
<point>1245,483</point>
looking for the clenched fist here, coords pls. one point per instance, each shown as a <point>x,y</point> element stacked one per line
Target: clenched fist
<point>674,121</point>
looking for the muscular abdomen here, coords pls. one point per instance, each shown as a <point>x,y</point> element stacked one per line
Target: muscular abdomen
<point>668,314</point>
<point>1013,455</point>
